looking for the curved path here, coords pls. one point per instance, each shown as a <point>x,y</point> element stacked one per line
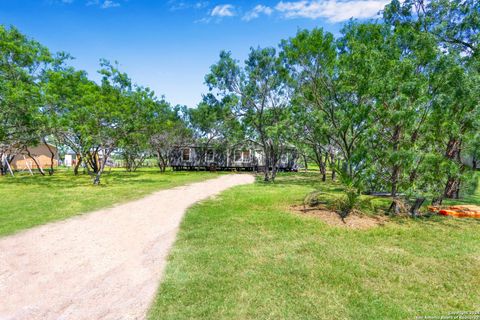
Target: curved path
<point>102,265</point>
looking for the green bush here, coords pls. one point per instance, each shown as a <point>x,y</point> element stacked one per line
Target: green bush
<point>313,199</point>
<point>347,203</point>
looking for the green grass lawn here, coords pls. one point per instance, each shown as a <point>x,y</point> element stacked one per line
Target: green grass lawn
<point>28,201</point>
<point>243,255</point>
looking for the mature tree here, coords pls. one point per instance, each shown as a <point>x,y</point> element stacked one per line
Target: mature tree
<point>71,100</point>
<point>260,99</point>
<point>456,104</point>
<point>165,129</point>
<point>402,107</point>
<point>455,24</point>
<point>168,135</point>
<point>214,124</point>
<point>453,76</point>
<point>115,110</point>
<point>44,100</point>
<point>332,77</point>
<point>310,135</point>
<point>143,113</point>
<point>22,63</point>
<point>92,118</point>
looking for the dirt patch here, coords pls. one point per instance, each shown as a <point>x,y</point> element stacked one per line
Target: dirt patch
<point>355,220</point>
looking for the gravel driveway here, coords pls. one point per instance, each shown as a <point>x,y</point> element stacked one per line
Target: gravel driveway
<point>102,265</point>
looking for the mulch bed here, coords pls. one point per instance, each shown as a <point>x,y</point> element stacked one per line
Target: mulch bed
<point>355,220</point>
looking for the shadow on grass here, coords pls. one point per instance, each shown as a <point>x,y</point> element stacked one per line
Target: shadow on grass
<point>66,179</point>
<point>304,179</point>
<point>434,220</point>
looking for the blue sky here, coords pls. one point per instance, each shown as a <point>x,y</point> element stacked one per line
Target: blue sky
<point>170,45</point>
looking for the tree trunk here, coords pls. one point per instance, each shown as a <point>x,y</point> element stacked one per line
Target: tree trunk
<point>139,163</point>
<point>394,180</point>
<point>102,163</point>
<point>77,164</point>
<point>128,163</point>
<point>305,161</point>
<point>275,159</point>
<point>324,172</point>
<point>274,174</point>
<point>320,163</point>
<point>3,167</point>
<point>93,162</point>
<point>394,207</point>
<point>322,166</point>
<point>416,206</point>
<point>332,165</point>
<point>395,168</point>
<point>96,181</point>
<point>6,165</point>
<point>52,158</point>
<point>40,169</point>
<point>161,162</point>
<point>437,201</point>
<point>452,188</point>
<point>266,177</point>
<point>274,170</point>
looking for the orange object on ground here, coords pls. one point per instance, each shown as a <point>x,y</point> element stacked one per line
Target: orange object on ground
<point>460,211</point>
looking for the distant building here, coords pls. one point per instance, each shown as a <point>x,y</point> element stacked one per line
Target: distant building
<point>42,155</point>
<point>221,157</point>
<point>68,161</point>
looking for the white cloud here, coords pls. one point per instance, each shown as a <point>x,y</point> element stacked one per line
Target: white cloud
<point>183,5</point>
<point>218,13</point>
<point>332,10</point>
<point>256,12</point>
<point>224,10</point>
<point>109,4</point>
<point>104,4</point>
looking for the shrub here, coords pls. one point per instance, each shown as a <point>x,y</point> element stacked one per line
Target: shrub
<point>347,203</point>
<point>312,199</point>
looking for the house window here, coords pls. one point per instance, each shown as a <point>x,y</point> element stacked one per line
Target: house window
<point>210,155</point>
<point>238,156</point>
<point>246,156</point>
<point>186,154</point>
<point>242,156</point>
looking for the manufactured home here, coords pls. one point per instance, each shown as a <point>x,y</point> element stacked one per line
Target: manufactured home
<point>42,154</point>
<point>221,157</point>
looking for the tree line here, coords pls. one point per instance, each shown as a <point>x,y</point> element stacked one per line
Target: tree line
<point>43,100</point>
<point>389,105</point>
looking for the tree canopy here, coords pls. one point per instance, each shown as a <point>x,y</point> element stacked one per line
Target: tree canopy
<point>389,105</point>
